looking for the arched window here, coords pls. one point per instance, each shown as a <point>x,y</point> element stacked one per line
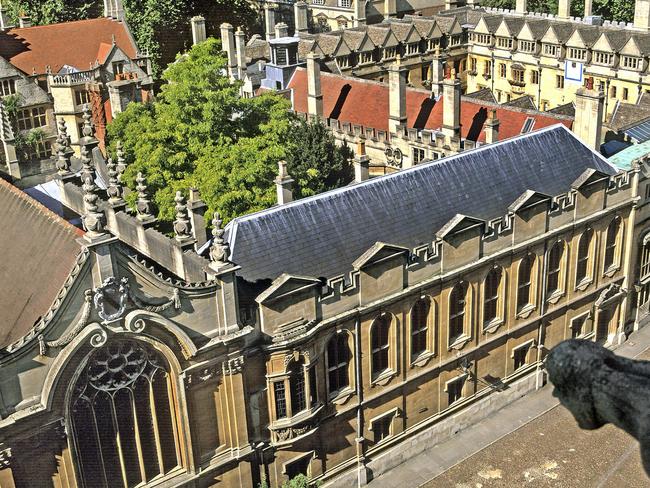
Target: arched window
<point>380,344</point>
<point>297,387</point>
<point>584,249</point>
<point>645,259</point>
<point>123,417</point>
<point>457,302</point>
<point>491,295</point>
<point>554,268</point>
<point>338,359</point>
<point>611,242</point>
<point>524,282</point>
<point>419,326</point>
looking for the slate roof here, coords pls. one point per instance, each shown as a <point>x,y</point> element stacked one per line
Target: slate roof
<point>76,44</point>
<point>38,250</point>
<point>525,101</point>
<point>322,236</point>
<point>346,99</point>
<point>627,115</point>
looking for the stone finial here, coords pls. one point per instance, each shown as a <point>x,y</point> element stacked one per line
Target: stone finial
<point>93,218</point>
<point>87,129</point>
<point>142,204</point>
<point>114,189</point>
<point>219,249</point>
<point>64,151</point>
<point>121,162</point>
<point>181,222</point>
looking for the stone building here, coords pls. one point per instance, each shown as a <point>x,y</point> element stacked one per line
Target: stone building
<point>55,70</point>
<point>392,313</point>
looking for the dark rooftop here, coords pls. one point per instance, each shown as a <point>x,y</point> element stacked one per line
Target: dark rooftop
<point>321,236</point>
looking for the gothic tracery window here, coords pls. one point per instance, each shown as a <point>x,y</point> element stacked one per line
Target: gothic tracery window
<point>123,417</point>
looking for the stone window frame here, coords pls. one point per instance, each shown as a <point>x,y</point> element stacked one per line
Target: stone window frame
<point>610,268</point>
<point>555,295</point>
<point>366,57</point>
<point>393,413</point>
<point>461,377</point>
<point>529,345</point>
<point>632,63</point>
<point>430,349</point>
<point>7,87</point>
<point>466,335</point>
<point>503,70</point>
<point>577,332</point>
<point>494,323</point>
<point>534,77</point>
<point>311,455</point>
<point>389,53</point>
<point>32,118</point>
<point>578,54</point>
<point>559,81</point>
<point>422,155</point>
<point>527,46</point>
<point>482,39</point>
<point>384,376</point>
<point>505,43</point>
<point>412,48</point>
<point>39,150</point>
<point>81,97</point>
<point>603,58</point>
<point>341,394</point>
<point>524,310</point>
<point>583,282</point>
<point>644,258</point>
<point>518,75</point>
<point>551,50</point>
<point>455,39</point>
<point>311,401</point>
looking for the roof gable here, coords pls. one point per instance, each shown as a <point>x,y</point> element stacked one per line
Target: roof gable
<point>528,199</point>
<point>459,223</point>
<point>284,285</point>
<point>576,40</point>
<point>482,27</point>
<point>631,48</point>
<point>551,37</point>
<point>378,252</point>
<point>366,44</point>
<point>589,177</point>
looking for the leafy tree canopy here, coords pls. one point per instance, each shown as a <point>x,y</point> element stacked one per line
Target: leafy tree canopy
<point>619,10</point>
<point>200,133</point>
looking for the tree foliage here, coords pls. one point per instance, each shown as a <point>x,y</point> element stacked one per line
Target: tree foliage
<point>619,10</point>
<point>200,133</point>
<point>44,12</point>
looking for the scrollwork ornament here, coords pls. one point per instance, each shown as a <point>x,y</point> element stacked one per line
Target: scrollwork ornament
<point>111,298</point>
<point>5,457</point>
<point>99,338</point>
<point>137,326</point>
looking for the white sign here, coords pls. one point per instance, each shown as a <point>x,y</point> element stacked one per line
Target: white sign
<point>573,71</point>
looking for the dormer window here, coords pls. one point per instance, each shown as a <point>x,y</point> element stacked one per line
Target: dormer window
<point>505,42</point>
<point>631,62</point>
<point>390,52</point>
<point>527,46</point>
<point>604,59</point>
<point>455,40</point>
<point>577,54</point>
<point>7,87</point>
<point>343,61</point>
<point>552,50</point>
<point>484,39</point>
<point>412,48</point>
<point>365,57</point>
<point>345,3</point>
<point>432,44</point>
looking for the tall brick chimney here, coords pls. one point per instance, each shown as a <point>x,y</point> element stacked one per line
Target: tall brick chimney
<point>397,95</point>
<point>588,122</point>
<point>314,94</point>
<point>300,9</point>
<point>228,45</point>
<point>451,104</point>
<point>492,127</point>
<point>361,162</point>
<point>564,9</point>
<point>198,29</point>
<point>283,184</point>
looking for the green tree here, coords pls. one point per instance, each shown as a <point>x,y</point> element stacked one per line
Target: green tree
<point>44,12</point>
<point>619,10</point>
<point>200,133</point>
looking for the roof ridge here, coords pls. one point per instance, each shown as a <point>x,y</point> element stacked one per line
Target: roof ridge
<point>42,209</point>
<point>15,29</point>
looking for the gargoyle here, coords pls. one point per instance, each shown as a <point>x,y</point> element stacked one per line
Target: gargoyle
<point>599,387</point>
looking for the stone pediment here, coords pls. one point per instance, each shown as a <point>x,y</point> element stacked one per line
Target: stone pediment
<point>528,199</point>
<point>459,223</point>
<point>482,27</point>
<point>413,36</point>
<point>366,44</point>
<point>378,252</point>
<point>631,48</point>
<point>602,44</point>
<point>589,177</point>
<point>576,40</point>
<point>286,284</point>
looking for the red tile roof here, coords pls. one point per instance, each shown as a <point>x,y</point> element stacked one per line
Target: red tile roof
<point>39,250</point>
<point>365,103</point>
<point>76,44</point>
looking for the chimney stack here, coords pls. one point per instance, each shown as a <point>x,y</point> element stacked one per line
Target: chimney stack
<point>390,8</point>
<point>228,45</point>
<point>24,20</point>
<point>361,162</point>
<point>492,127</point>
<point>283,184</point>
<point>564,9</point>
<point>281,30</point>
<point>269,21</point>
<point>198,29</point>
<point>359,12</point>
<point>314,94</point>
<point>451,105</point>
<point>196,211</point>
<point>437,73</point>
<point>4,18</point>
<point>240,43</point>
<point>588,8</point>
<point>300,16</point>
<point>397,95</point>
<point>521,6</point>
<point>588,122</point>
<point>642,14</point>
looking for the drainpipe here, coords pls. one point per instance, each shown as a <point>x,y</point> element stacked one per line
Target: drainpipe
<point>542,311</point>
<point>361,468</point>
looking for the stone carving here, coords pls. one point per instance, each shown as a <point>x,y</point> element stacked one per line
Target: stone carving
<point>121,162</point>
<point>181,223</point>
<point>599,387</point>
<point>235,365</point>
<point>5,457</point>
<point>67,339</point>
<point>93,218</point>
<point>87,129</point>
<point>219,250</point>
<point>114,189</point>
<point>64,151</point>
<point>143,303</point>
<point>142,205</point>
<point>110,298</point>
<point>203,374</point>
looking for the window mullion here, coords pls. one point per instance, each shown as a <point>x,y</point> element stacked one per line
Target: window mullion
<point>172,411</point>
<point>156,433</point>
<point>138,441</point>
<point>99,442</point>
<point>118,442</point>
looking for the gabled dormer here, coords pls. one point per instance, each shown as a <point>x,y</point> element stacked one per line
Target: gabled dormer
<point>481,34</point>
<point>381,271</point>
<point>551,44</point>
<point>632,58</point>
<point>461,241</point>
<point>577,48</point>
<point>603,52</point>
<point>590,186</point>
<point>530,214</point>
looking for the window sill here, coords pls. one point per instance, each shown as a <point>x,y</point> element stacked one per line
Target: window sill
<point>525,311</point>
<point>422,359</point>
<point>584,283</point>
<point>383,378</point>
<point>492,326</point>
<point>460,342</point>
<point>341,396</point>
<point>297,418</point>
<point>609,272</point>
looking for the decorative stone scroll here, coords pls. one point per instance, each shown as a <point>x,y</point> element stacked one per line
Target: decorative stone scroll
<point>202,375</point>
<point>67,339</point>
<point>145,304</point>
<point>5,458</point>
